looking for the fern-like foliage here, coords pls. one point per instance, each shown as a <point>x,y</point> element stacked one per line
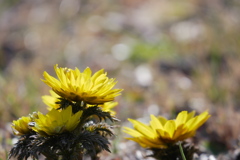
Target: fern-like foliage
<point>66,145</point>
<point>93,143</point>
<point>76,106</point>
<point>96,111</point>
<point>22,149</point>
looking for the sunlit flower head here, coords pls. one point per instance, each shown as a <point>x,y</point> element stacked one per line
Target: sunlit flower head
<point>82,86</point>
<point>55,122</point>
<point>51,100</point>
<point>20,126</point>
<point>162,132</point>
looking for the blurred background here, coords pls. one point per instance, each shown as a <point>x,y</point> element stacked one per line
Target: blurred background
<point>167,55</point>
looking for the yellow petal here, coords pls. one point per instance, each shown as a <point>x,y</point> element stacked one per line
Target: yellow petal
<point>150,144</point>
<point>181,118</point>
<point>132,132</point>
<point>191,115</point>
<point>155,123</point>
<point>170,127</point>
<point>163,120</point>
<point>97,74</point>
<point>87,72</point>
<point>142,128</point>
<point>197,121</point>
<point>180,130</point>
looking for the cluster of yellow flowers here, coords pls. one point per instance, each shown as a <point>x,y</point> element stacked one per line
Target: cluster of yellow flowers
<point>74,86</point>
<point>75,97</point>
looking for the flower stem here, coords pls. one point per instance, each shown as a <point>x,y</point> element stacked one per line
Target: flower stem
<point>181,151</point>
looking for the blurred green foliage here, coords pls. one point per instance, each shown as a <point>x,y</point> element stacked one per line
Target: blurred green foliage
<point>145,52</point>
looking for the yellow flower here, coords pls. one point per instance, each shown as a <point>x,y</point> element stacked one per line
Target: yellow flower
<point>20,126</point>
<point>162,132</point>
<point>108,106</point>
<point>51,101</point>
<point>82,86</point>
<point>55,122</point>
